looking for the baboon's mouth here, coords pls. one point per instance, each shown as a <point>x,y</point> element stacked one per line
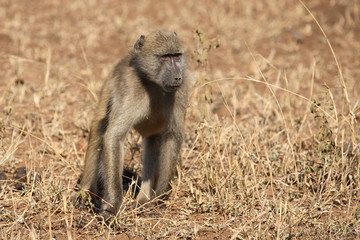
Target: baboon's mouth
<point>171,88</point>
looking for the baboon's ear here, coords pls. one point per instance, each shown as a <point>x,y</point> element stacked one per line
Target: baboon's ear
<point>139,43</point>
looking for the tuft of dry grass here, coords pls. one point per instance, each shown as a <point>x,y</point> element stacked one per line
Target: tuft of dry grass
<point>272,148</point>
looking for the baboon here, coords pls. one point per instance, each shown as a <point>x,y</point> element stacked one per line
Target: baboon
<point>148,92</point>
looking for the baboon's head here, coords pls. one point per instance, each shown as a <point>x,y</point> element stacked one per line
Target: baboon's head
<point>160,58</point>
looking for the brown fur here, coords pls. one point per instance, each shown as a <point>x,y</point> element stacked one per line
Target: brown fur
<point>148,92</point>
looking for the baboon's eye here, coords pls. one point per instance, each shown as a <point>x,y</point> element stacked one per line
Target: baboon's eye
<point>166,57</point>
<point>176,57</point>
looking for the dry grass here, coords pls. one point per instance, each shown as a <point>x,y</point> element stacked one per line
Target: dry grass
<point>272,146</point>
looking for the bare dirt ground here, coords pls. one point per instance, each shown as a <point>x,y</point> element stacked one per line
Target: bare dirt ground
<point>272,136</point>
